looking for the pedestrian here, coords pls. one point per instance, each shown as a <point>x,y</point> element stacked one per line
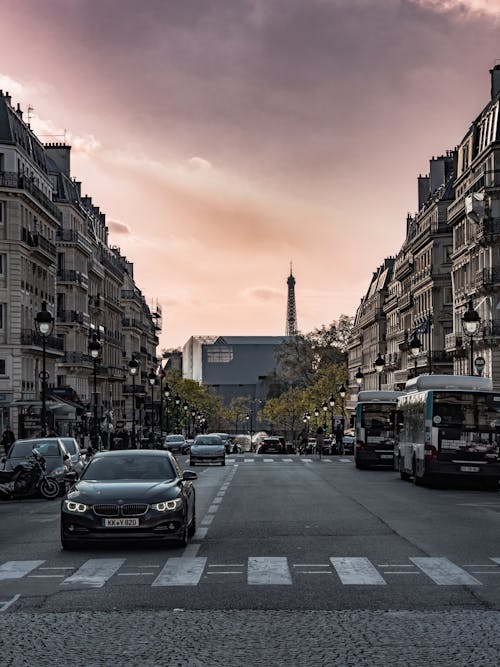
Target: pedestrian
<point>8,439</point>
<point>320,440</point>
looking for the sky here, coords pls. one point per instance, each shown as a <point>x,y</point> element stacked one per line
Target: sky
<point>224,139</point>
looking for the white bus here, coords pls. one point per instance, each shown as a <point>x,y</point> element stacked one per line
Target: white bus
<point>448,425</point>
<point>375,425</point>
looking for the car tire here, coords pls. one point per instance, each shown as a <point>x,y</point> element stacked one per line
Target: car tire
<point>182,542</point>
<point>192,525</point>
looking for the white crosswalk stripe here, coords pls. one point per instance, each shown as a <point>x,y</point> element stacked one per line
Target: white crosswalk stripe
<point>181,572</point>
<point>269,571</point>
<point>16,569</point>
<point>357,571</point>
<point>95,572</point>
<point>445,573</point>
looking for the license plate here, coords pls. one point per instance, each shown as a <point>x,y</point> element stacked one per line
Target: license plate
<point>386,456</point>
<point>120,523</point>
<point>469,469</point>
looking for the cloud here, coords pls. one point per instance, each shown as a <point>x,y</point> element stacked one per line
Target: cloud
<point>261,293</point>
<point>118,227</point>
<point>467,7</point>
<point>199,163</point>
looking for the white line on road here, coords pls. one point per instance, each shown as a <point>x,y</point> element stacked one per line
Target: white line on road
<point>445,573</point>
<point>287,460</point>
<point>306,460</point>
<point>248,460</point>
<point>59,567</point>
<point>228,565</point>
<point>357,571</point>
<point>270,570</point>
<point>5,605</point>
<point>268,460</point>
<point>44,576</point>
<point>134,574</point>
<point>190,551</point>
<point>201,533</point>
<point>394,565</point>
<point>16,569</point>
<point>95,572</point>
<point>311,565</point>
<point>181,572</point>
<point>495,560</point>
<point>207,520</point>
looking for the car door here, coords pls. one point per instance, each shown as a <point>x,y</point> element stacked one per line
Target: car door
<point>187,489</point>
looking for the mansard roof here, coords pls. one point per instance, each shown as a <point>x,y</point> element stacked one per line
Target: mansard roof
<point>13,130</point>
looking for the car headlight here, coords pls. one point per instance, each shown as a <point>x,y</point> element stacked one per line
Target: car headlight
<point>168,505</point>
<point>71,506</point>
<point>60,470</point>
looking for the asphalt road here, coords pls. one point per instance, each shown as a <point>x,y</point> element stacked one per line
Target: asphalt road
<point>295,561</point>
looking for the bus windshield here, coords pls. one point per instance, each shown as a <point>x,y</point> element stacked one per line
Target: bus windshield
<point>378,419</point>
<point>467,420</point>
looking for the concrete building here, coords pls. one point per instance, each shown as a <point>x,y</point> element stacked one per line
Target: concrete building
<point>232,365</point>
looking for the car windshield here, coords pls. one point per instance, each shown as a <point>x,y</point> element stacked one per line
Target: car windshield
<point>24,448</point>
<point>208,440</point>
<point>126,467</point>
<point>174,438</point>
<point>70,445</point>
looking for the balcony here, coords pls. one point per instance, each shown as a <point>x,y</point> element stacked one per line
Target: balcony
<point>441,357</point>
<point>405,302</point>
<point>487,279</point>
<point>70,317</point>
<point>421,276</point>
<point>75,237</point>
<point>403,268</point>
<point>456,209</point>
<point>30,337</point>
<point>96,301</point>
<point>132,323</point>
<point>128,294</point>
<point>452,342</point>
<point>11,179</point>
<point>77,359</point>
<point>139,389</point>
<point>39,243</point>
<point>72,276</point>
<point>487,230</point>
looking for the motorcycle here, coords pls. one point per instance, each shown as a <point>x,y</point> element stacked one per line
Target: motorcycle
<point>27,479</point>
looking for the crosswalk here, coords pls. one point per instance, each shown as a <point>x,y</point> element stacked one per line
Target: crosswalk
<point>280,459</point>
<point>255,570</point>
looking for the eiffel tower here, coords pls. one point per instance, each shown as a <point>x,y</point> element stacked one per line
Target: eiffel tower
<point>291,311</point>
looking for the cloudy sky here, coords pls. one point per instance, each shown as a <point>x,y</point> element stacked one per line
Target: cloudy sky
<point>225,138</point>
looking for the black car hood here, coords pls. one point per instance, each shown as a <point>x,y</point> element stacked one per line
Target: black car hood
<point>129,492</point>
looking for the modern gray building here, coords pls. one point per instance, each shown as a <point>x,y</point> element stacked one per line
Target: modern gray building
<point>232,365</point>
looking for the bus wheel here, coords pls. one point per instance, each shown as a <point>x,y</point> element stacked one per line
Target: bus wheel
<point>418,481</point>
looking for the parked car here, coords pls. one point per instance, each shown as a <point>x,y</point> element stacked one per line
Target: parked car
<point>78,455</point>
<point>129,496</point>
<point>207,449</point>
<point>348,442</point>
<point>272,445</point>
<point>58,461</point>
<point>175,443</point>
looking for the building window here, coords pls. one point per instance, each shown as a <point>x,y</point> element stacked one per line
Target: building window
<point>3,259</point>
<point>2,212</point>
<point>2,316</point>
<point>447,296</point>
<point>220,354</point>
<point>2,366</point>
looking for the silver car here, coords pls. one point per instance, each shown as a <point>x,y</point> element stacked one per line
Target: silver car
<point>175,443</point>
<point>207,449</point>
<point>78,455</point>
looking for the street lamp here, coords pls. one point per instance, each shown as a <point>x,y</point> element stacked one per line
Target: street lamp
<point>379,364</point>
<point>471,322</point>
<point>44,323</point>
<point>177,401</point>
<point>166,394</point>
<point>331,400</point>
<point>193,417</point>
<point>162,375</point>
<point>359,377</point>
<point>152,382</point>
<point>185,407</point>
<point>133,367</point>
<point>95,351</point>
<point>342,393</point>
<point>415,346</point>
<point>325,410</point>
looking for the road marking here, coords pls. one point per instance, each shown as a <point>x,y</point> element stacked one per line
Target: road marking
<point>311,565</point>
<point>95,572</point>
<point>268,460</point>
<point>201,533</point>
<point>4,605</point>
<point>287,460</point>
<point>181,572</point>
<point>394,565</point>
<point>45,576</point>
<point>228,565</point>
<point>326,460</point>
<point>16,569</point>
<point>357,571</point>
<point>190,551</point>
<point>217,500</point>
<point>397,572</point>
<point>207,520</point>
<point>135,574</point>
<point>268,570</point>
<point>345,460</point>
<point>445,573</point>
<point>306,460</point>
<point>496,560</point>
<point>248,460</point>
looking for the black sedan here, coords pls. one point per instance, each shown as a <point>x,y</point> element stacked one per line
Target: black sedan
<point>131,496</point>
<point>57,459</point>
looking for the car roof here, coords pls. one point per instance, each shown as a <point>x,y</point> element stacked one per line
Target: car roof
<point>132,452</point>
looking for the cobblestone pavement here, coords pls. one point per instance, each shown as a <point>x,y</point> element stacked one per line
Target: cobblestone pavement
<point>458,638</point>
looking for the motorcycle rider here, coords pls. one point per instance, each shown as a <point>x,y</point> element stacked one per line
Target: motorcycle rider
<point>8,439</point>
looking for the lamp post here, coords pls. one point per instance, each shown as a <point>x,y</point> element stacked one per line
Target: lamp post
<point>316,414</point>
<point>133,367</point>
<point>185,407</point>
<point>471,322</point>
<point>177,401</point>
<point>325,410</point>
<point>193,418</point>
<point>359,377</point>
<point>162,375</point>
<point>152,382</point>
<point>379,364</point>
<point>44,322</point>
<point>308,417</point>
<point>95,351</point>
<point>414,346</point>
<point>166,394</point>
<point>331,400</point>
<point>342,393</point>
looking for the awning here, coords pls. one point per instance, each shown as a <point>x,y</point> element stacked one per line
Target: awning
<point>50,405</point>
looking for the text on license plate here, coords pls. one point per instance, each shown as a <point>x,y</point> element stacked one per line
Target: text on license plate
<point>120,523</point>
<point>469,469</point>
<point>386,456</point>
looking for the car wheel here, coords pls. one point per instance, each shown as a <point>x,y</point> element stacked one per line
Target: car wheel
<point>223,463</point>
<point>192,525</point>
<point>182,542</point>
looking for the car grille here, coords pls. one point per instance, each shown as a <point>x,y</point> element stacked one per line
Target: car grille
<point>125,510</point>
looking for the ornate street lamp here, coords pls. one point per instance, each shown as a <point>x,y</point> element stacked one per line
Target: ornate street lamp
<point>177,401</point>
<point>359,377</point>
<point>133,367</point>
<point>44,323</point>
<point>152,382</point>
<point>342,393</point>
<point>415,346</point>
<point>316,414</point>
<point>379,364</point>
<point>193,417</point>
<point>166,394</point>
<point>471,322</point>
<point>95,351</point>
<point>325,410</point>
<point>331,400</point>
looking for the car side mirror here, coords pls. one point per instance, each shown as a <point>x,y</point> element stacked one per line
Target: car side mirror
<point>71,477</point>
<point>189,475</point>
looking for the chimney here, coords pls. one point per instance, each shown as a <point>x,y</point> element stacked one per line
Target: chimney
<point>18,111</point>
<point>60,154</point>
<point>495,81</point>
<point>423,190</point>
